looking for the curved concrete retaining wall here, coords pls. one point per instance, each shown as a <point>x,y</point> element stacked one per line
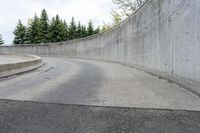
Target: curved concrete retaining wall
<point>162,36</point>
<point>31,62</point>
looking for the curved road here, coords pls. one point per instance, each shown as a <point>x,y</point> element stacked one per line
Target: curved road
<point>85,82</point>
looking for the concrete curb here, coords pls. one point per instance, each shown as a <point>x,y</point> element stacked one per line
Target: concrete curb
<point>11,69</point>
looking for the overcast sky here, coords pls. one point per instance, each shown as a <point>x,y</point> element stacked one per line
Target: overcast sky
<point>84,10</point>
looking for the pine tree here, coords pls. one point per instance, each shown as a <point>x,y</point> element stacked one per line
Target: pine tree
<point>40,30</point>
<point>65,31</point>
<point>27,36</point>
<point>83,31</point>
<point>56,30</point>
<point>1,40</point>
<point>79,30</point>
<point>19,33</point>
<point>34,26</point>
<point>90,29</point>
<point>44,28</point>
<point>96,31</point>
<point>52,30</point>
<point>72,29</point>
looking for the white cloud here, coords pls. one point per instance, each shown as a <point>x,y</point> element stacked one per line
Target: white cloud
<point>83,10</point>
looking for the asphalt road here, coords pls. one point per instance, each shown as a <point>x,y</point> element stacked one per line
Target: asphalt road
<point>30,117</point>
<point>75,81</point>
<point>65,92</point>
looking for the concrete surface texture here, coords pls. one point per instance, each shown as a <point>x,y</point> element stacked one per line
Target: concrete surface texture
<point>8,59</point>
<point>163,35</point>
<point>16,64</point>
<point>75,81</point>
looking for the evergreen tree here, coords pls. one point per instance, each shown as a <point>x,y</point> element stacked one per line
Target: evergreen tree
<point>43,28</point>
<point>19,33</point>
<point>90,29</point>
<point>33,30</point>
<point>65,31</point>
<point>27,36</point>
<point>39,30</point>
<point>79,30</point>
<point>56,30</point>
<point>52,30</point>
<point>1,40</point>
<point>83,31</point>
<point>72,29</point>
<point>96,31</point>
